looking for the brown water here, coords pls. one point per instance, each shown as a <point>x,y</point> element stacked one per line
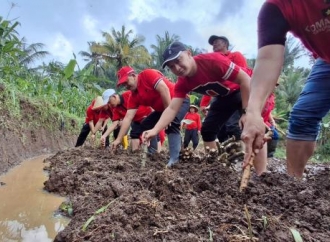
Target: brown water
<point>26,210</point>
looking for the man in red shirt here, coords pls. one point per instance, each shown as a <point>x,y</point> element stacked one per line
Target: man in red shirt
<point>310,22</point>
<point>221,45</point>
<point>151,88</point>
<point>214,75</point>
<point>92,118</point>
<point>192,128</point>
<point>118,103</point>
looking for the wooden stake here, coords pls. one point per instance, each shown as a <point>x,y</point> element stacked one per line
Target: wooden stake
<point>247,170</point>
<point>246,173</point>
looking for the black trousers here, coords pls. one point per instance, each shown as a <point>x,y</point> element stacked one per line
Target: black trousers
<point>191,135</point>
<point>230,128</point>
<point>84,133</point>
<point>221,110</point>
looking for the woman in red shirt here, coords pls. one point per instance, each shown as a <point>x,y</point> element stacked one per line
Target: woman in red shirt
<point>192,128</point>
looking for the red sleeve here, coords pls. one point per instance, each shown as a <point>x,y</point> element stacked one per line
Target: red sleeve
<point>105,114</point>
<point>239,59</point>
<point>151,77</point>
<point>179,88</point>
<point>225,68</point>
<point>272,26</point>
<point>115,115</point>
<point>133,101</point>
<point>205,101</point>
<point>89,114</point>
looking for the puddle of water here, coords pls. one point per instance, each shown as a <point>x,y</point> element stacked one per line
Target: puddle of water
<point>26,210</point>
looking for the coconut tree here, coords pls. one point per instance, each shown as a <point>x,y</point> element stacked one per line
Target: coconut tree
<point>95,60</point>
<point>31,53</point>
<point>293,51</point>
<point>120,49</point>
<point>159,48</point>
<point>289,89</point>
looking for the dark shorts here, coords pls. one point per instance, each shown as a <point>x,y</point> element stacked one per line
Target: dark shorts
<point>221,109</point>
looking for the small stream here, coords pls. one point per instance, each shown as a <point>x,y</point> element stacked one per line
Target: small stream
<point>27,212</point>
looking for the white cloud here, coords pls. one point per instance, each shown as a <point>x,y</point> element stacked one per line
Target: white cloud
<point>91,27</point>
<point>60,47</point>
<point>193,21</point>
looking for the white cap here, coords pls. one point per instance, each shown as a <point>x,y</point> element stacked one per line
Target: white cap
<point>107,94</point>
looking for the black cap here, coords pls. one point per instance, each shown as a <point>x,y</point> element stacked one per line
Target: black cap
<point>214,37</point>
<point>172,52</point>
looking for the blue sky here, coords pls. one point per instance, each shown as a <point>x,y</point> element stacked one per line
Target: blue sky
<point>65,26</point>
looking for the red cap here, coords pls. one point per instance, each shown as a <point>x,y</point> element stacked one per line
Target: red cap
<point>123,73</point>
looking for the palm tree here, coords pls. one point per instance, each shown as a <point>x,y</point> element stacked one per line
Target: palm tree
<point>31,53</point>
<point>120,50</point>
<point>289,89</point>
<point>292,52</point>
<point>159,48</point>
<point>196,51</point>
<point>95,61</point>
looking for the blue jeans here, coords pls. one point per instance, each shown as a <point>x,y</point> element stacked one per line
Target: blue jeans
<point>312,105</point>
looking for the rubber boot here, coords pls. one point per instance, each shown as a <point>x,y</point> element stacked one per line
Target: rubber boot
<point>174,143</point>
<point>124,142</point>
<point>153,147</point>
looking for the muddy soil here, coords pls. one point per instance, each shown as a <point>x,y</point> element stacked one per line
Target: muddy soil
<point>194,201</point>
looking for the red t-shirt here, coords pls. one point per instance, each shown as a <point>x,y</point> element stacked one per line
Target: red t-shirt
<point>310,22</point>
<point>196,118</point>
<point>92,114</point>
<point>214,77</point>
<point>205,101</point>
<point>237,58</point>
<point>268,108</point>
<point>120,111</point>
<point>146,93</point>
<point>105,114</point>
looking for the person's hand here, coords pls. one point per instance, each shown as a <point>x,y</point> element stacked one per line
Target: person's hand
<point>252,135</point>
<point>102,140</point>
<point>148,135</point>
<point>93,137</point>
<point>114,145</point>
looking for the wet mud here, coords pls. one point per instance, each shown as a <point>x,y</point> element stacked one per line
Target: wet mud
<point>118,198</point>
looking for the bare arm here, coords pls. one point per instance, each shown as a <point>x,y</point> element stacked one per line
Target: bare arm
<point>265,75</point>
<point>272,120</point>
<point>105,123</point>
<point>168,114</point>
<point>126,123</point>
<point>243,80</point>
<point>164,93</point>
<point>111,128</point>
<point>92,127</point>
<point>98,125</point>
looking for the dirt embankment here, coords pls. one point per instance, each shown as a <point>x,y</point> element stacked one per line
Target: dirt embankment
<point>195,201</point>
<point>29,135</point>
